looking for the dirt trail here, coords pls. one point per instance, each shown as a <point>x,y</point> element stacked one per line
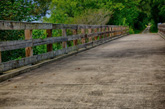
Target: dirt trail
<point>128,73</point>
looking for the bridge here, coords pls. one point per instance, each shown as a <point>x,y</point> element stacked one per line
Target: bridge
<point>106,68</point>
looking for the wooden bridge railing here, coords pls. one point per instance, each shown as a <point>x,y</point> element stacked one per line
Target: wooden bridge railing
<point>107,31</point>
<point>161,29</point>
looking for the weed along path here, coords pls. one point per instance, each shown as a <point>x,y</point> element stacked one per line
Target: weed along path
<point>128,73</point>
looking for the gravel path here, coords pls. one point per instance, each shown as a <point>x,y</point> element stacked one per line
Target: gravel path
<point>128,73</point>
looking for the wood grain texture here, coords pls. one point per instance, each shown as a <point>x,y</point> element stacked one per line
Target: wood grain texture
<point>0,58</point>
<point>161,29</point>
<point>49,46</point>
<point>33,59</point>
<point>64,44</point>
<point>89,32</point>
<point>28,43</point>
<point>110,29</point>
<point>107,29</point>
<point>14,25</point>
<point>37,58</point>
<point>75,33</point>
<point>100,30</point>
<point>96,32</point>
<point>28,50</point>
<point>12,45</point>
<point>104,30</point>
<point>83,39</point>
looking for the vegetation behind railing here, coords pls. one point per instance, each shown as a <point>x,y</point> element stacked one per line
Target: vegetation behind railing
<point>82,37</point>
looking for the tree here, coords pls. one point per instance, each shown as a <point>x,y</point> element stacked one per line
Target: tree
<point>93,17</point>
<point>17,10</point>
<point>157,13</point>
<point>42,6</point>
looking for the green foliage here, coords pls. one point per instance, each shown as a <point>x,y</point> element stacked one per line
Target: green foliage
<point>131,31</point>
<point>153,28</point>
<point>17,10</point>
<point>157,13</point>
<point>39,34</point>
<point>42,6</point>
<point>10,35</point>
<point>93,17</point>
<point>133,13</point>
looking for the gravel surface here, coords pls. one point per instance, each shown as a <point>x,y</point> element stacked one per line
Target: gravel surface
<point>128,73</point>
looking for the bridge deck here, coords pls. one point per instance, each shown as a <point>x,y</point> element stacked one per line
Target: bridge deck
<point>125,73</point>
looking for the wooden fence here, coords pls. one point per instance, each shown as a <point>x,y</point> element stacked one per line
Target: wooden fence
<point>161,29</point>
<point>100,34</point>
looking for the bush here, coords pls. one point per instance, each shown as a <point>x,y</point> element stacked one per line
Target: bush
<point>154,28</point>
<point>131,31</point>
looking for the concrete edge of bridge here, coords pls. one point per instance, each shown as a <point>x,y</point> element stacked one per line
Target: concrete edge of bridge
<point>15,72</point>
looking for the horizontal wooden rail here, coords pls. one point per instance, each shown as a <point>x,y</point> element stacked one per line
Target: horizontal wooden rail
<point>12,25</point>
<point>97,34</point>
<point>161,29</point>
<point>12,45</point>
<point>34,59</point>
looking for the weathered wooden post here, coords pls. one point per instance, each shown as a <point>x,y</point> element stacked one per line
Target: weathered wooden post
<point>112,31</point>
<point>125,31</point>
<point>64,44</point>
<point>89,32</point>
<point>28,36</point>
<point>121,30</point>
<point>0,57</point>
<point>74,33</point>
<point>96,32</point>
<point>100,30</point>
<point>115,31</point>
<point>49,46</point>
<point>83,39</point>
<point>113,28</point>
<point>102,35</point>
<point>107,31</point>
